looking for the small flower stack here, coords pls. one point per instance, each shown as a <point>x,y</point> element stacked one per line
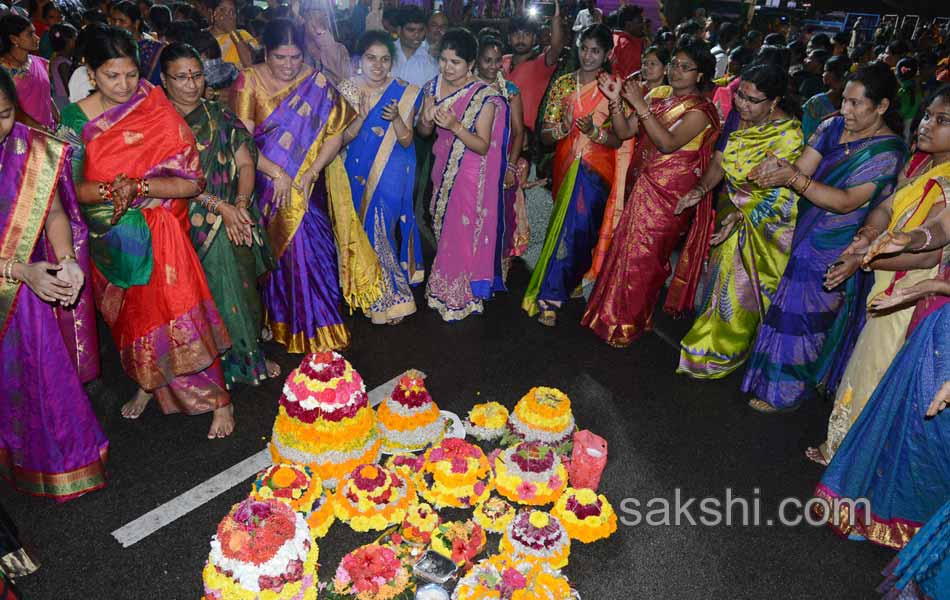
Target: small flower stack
<point>373,498</point>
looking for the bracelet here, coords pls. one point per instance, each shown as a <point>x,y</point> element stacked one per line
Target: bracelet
<point>807,185</point>
<point>791,180</point>
<point>930,238</point>
<point>66,258</point>
<point>602,137</point>
<point>702,189</point>
<point>106,192</point>
<point>615,106</point>
<point>8,270</point>
<point>242,200</point>
<point>146,192</point>
<point>644,117</point>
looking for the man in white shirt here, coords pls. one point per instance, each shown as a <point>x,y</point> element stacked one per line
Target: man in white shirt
<point>585,18</point>
<point>728,34</point>
<point>413,62</point>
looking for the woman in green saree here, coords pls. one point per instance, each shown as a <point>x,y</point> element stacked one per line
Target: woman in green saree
<point>224,222</point>
<point>752,247</point>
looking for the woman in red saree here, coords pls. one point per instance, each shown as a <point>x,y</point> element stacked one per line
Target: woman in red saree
<point>676,143</point>
<point>139,167</point>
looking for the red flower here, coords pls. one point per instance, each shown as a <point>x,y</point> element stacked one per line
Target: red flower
<point>513,579</point>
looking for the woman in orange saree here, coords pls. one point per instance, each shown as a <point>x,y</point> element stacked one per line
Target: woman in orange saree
<point>135,165</point>
<point>675,147</point>
<point>578,118</point>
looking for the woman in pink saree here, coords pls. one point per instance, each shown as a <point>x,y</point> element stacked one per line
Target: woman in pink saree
<point>467,179</point>
<point>18,45</point>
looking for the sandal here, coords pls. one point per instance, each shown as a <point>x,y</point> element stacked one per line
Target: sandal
<point>548,318</point>
<point>765,408</point>
<point>273,369</point>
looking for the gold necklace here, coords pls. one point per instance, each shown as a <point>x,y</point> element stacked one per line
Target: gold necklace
<point>847,145</point>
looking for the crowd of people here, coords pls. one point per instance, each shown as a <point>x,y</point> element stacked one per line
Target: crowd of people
<point>210,176</point>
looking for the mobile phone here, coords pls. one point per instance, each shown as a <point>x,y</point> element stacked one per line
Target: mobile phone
<point>542,9</point>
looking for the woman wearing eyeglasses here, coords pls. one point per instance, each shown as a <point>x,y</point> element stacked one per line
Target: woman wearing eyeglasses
<point>136,169</point>
<point>751,248</point>
<point>849,165</point>
<point>677,134</point>
<point>224,221</point>
<point>237,46</point>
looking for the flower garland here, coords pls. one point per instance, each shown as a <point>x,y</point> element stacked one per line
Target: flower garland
<point>530,473</point>
<point>455,473</point>
<point>494,514</point>
<point>542,415</point>
<point>371,572</point>
<point>459,541</point>
<point>373,498</point>
<point>294,485</point>
<point>263,550</point>
<point>487,421</point>
<point>538,536</point>
<point>585,515</point>
<point>502,577</point>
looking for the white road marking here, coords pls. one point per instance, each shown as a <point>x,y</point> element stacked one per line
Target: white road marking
<point>152,521</point>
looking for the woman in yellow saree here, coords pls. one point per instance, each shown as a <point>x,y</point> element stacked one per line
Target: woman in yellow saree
<point>751,249</point>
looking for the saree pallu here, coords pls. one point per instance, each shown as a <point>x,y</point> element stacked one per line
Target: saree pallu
<point>638,261</point>
<point>808,333</point>
<point>231,270</point>
<point>516,229</point>
<point>50,441</point>
<point>166,326</point>
<point>921,571</point>
<point>883,334</point>
<point>584,174</point>
<point>894,455</point>
<point>382,173</point>
<point>150,50</point>
<point>746,268</point>
<point>303,296</point>
<point>814,111</point>
<point>34,90</point>
<point>466,205</point>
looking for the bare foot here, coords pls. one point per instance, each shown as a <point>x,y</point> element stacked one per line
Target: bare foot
<point>222,425</point>
<point>273,369</point>
<point>266,334</point>
<point>815,455</point>
<point>396,321</point>
<point>134,408</point>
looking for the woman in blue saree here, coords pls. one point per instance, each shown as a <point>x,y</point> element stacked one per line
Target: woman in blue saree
<point>847,168</point>
<point>897,453</point>
<point>381,166</point>
<point>298,119</point>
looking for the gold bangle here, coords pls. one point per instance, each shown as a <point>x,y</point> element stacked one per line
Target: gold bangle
<point>644,117</point>
<point>807,185</point>
<point>67,257</point>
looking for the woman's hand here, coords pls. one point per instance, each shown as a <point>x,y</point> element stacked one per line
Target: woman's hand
<point>689,200</point>
<point>772,172</point>
<point>841,269</point>
<point>428,110</point>
<point>609,86</point>
<point>585,124</point>
<point>510,179</point>
<point>237,223</point>
<point>123,192</point>
<point>901,296</point>
<point>567,118</point>
<point>72,274</point>
<point>282,184</point>
<point>446,119</point>
<point>940,401</point>
<point>633,93</point>
<point>365,106</point>
<point>889,242</point>
<point>391,111</point>
<point>307,180</point>
<point>725,229</point>
<point>50,288</point>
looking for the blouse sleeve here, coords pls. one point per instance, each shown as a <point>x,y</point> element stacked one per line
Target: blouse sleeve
<point>244,96</point>
<point>561,88</point>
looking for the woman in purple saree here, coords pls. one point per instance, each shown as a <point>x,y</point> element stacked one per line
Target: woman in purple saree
<point>467,180</point>
<point>50,442</point>
<point>298,119</point>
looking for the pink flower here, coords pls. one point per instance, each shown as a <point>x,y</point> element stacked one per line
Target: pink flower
<point>526,490</point>
<point>436,454</point>
<point>513,579</point>
<point>459,465</point>
<point>479,488</point>
<point>555,482</point>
